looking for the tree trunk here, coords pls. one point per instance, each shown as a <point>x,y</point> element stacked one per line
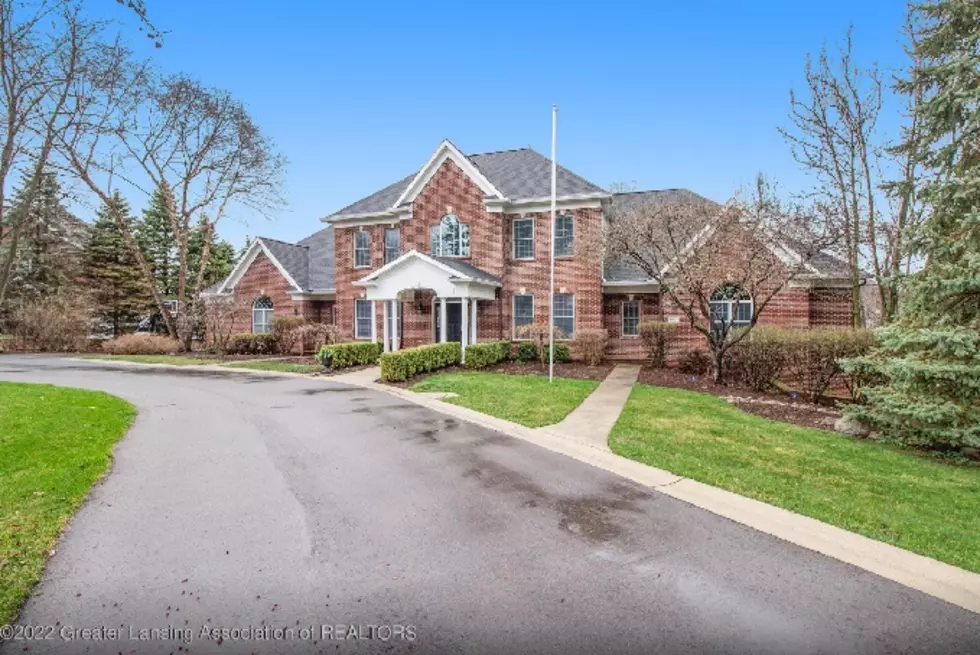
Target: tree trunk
<point>718,366</point>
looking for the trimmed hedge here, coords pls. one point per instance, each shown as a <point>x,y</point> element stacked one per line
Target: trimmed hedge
<point>251,344</point>
<point>562,353</point>
<point>351,353</point>
<point>527,351</point>
<point>403,364</point>
<point>481,355</point>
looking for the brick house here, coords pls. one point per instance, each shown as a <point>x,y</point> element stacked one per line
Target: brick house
<point>459,251</point>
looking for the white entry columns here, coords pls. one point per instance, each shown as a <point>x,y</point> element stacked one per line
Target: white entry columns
<point>464,314</point>
<point>473,304</point>
<point>442,321</point>
<point>384,330</point>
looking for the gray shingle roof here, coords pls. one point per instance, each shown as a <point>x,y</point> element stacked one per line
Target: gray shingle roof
<point>622,270</point>
<point>518,174</point>
<point>310,262</point>
<point>469,270</point>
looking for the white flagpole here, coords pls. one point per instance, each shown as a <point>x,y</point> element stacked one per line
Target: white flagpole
<point>554,209</point>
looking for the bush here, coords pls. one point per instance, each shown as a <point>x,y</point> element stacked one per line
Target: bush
<point>591,343</point>
<point>526,352</point>
<point>481,355</point>
<point>758,359</point>
<point>562,353</point>
<point>286,330</point>
<point>352,353</point>
<point>813,356</point>
<point>141,344</point>
<point>657,337</point>
<point>251,344</point>
<point>57,323</point>
<point>403,364</point>
<point>694,362</point>
<point>314,336</point>
<point>538,334</point>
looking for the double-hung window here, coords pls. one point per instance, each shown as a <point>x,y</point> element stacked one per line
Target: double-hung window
<point>565,314</point>
<point>631,318</point>
<point>262,315</point>
<point>524,238</point>
<point>564,236</point>
<point>362,319</point>
<point>393,244</point>
<point>523,311</point>
<point>449,238</point>
<point>362,249</point>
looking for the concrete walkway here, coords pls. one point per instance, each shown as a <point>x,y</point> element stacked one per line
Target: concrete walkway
<point>594,419</point>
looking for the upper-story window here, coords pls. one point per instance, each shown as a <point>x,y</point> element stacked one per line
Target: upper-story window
<point>524,238</point>
<point>450,238</point>
<point>393,244</point>
<point>564,236</point>
<point>362,249</point>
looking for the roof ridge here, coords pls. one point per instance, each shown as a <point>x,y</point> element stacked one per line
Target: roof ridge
<point>500,152</point>
<point>285,243</point>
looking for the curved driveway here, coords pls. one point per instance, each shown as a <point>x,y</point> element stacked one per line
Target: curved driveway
<point>253,502</point>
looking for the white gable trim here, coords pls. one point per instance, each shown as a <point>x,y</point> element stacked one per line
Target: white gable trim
<point>446,150</point>
<point>253,252</point>
<point>411,254</point>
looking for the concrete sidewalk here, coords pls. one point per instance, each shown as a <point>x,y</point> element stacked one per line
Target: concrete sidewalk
<point>593,420</point>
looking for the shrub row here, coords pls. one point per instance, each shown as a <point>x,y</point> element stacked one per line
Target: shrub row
<point>249,343</point>
<point>141,344</point>
<point>657,336</point>
<point>808,360</point>
<point>352,353</point>
<point>481,355</point>
<point>403,364</point>
<point>527,351</point>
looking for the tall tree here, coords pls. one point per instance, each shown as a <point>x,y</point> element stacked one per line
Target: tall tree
<point>51,241</point>
<point>835,137</point>
<point>222,254</point>
<point>112,275</point>
<point>928,363</point>
<point>158,243</point>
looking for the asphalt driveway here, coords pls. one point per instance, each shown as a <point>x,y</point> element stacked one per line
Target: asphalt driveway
<point>291,512</point>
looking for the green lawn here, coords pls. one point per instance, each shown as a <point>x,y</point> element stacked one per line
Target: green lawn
<point>282,367</point>
<point>175,360</point>
<point>883,492</point>
<point>525,399</point>
<point>54,444</point>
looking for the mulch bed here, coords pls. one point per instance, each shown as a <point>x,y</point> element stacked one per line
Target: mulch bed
<point>776,406</point>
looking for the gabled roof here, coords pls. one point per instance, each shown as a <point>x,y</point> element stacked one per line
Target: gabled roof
<point>620,270</point>
<point>516,175</point>
<point>308,266</point>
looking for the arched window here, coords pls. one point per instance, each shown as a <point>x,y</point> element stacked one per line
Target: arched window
<point>450,238</point>
<point>262,315</point>
<point>731,307</point>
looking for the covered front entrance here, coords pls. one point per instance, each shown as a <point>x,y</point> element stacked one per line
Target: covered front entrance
<point>456,287</point>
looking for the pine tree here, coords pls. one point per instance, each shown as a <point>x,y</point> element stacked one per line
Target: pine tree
<point>927,365</point>
<point>113,276</point>
<point>221,256</point>
<point>157,241</point>
<point>50,243</point>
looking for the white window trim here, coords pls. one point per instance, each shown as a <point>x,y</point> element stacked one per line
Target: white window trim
<point>513,238</point>
<point>356,265</point>
<point>574,316</point>
<point>571,254</point>
<point>513,315</point>
<point>733,304</point>
<point>622,319</point>
<point>267,312</point>
<point>356,337</point>
<point>441,229</point>
<point>384,243</point>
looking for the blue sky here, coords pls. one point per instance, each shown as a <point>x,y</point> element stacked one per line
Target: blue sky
<point>655,94</point>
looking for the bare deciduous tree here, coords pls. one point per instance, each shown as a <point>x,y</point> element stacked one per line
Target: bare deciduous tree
<point>199,144</point>
<point>43,48</point>
<point>835,137</point>
<point>700,253</point>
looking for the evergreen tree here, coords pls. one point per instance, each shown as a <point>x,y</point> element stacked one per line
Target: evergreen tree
<point>927,365</point>
<point>157,241</point>
<point>50,243</point>
<point>112,274</point>
<point>221,256</point>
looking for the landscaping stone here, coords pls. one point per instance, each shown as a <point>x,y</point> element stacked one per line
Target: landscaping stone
<point>852,427</point>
